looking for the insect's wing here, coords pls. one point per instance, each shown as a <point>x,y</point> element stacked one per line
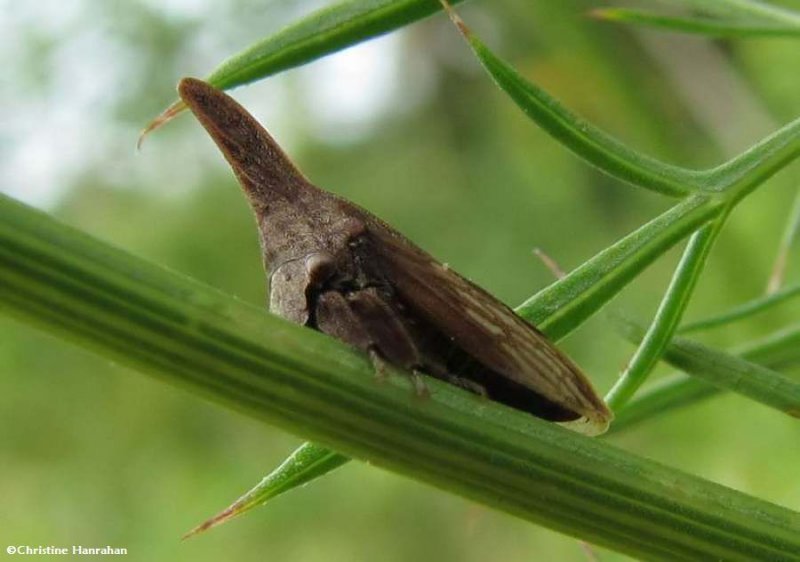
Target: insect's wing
<point>489,330</point>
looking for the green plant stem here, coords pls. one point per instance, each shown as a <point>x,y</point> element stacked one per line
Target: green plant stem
<point>726,371</point>
<point>742,10</point>
<point>561,307</point>
<point>678,391</point>
<point>194,336</point>
<point>700,25</point>
<point>759,383</point>
<point>788,240</point>
<point>320,33</point>
<point>743,311</point>
<point>735,178</point>
<point>740,175</point>
<point>581,137</point>
<point>751,9</point>
<point>668,315</point>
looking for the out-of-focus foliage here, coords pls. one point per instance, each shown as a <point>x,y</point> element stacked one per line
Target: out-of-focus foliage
<point>93,455</point>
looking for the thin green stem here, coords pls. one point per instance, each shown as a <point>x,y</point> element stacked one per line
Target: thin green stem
<point>739,9</point>
<point>726,371</point>
<point>743,311</point>
<point>668,315</point>
<point>320,33</point>
<point>579,136</point>
<point>561,307</point>
<point>733,179</point>
<point>788,240</point>
<point>775,351</point>
<point>753,9</point>
<point>701,25</point>
<point>739,176</point>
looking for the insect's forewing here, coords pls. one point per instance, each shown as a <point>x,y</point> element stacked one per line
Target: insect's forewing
<point>489,330</point>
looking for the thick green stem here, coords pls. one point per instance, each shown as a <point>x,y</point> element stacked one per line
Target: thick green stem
<point>194,336</point>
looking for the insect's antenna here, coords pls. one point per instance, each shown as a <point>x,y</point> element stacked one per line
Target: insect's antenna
<point>263,169</point>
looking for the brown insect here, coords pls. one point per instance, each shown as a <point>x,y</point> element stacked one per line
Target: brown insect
<point>336,268</point>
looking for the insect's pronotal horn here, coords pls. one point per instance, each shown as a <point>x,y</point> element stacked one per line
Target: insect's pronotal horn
<point>261,166</point>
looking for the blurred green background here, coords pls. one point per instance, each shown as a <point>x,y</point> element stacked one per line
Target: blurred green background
<point>409,127</point>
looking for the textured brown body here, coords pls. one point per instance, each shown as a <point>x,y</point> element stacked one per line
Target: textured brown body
<point>337,268</point>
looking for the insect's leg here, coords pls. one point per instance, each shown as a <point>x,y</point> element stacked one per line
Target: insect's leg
<point>335,317</point>
<point>366,321</point>
<point>378,364</point>
<point>467,384</point>
<point>420,388</point>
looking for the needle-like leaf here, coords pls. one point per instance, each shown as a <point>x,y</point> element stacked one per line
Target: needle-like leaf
<point>743,311</point>
<point>320,33</point>
<point>732,180</point>
<point>776,351</point>
<point>788,241</point>
<point>308,462</point>
<point>727,371</point>
<point>702,25</point>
